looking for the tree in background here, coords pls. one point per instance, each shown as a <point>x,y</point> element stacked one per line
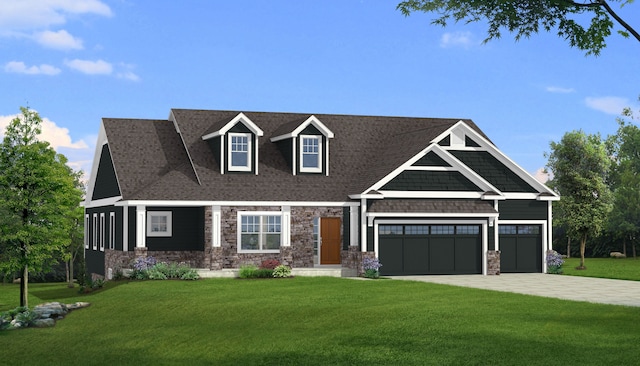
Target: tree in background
<point>37,196</point>
<point>580,166</point>
<point>526,17</point>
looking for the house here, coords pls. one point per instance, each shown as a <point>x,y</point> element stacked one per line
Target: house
<point>219,189</point>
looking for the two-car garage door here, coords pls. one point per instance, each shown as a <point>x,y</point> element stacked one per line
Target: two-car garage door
<point>430,249</point>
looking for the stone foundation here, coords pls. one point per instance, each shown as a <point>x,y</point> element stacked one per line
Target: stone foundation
<point>493,262</point>
<point>353,259</point>
<point>195,259</point>
<point>117,260</point>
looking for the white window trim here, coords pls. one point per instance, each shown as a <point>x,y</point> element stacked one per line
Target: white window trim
<point>239,168</point>
<point>112,230</point>
<point>86,231</point>
<point>317,169</point>
<point>261,214</point>
<point>94,244</point>
<point>168,215</point>
<point>102,227</point>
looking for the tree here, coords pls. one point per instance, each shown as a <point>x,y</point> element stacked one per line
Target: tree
<point>580,166</point>
<point>37,194</point>
<point>526,17</point>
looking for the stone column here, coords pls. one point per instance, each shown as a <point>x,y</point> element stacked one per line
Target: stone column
<point>493,262</point>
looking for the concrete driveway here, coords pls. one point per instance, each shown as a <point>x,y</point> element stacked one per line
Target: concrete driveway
<point>597,290</point>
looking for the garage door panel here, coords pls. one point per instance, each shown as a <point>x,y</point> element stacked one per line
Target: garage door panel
<point>529,256</point>
<point>508,254</point>
<point>468,259</point>
<point>390,253</point>
<point>441,255</point>
<point>416,253</point>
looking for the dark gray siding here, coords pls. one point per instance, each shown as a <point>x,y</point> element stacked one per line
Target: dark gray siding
<point>214,145</point>
<point>469,142</point>
<point>132,228</point>
<point>106,184</point>
<point>445,141</point>
<point>415,180</point>
<point>95,258</point>
<point>523,210</point>
<point>496,173</point>
<point>286,148</point>
<point>431,159</point>
<point>346,231</point>
<point>187,230</point>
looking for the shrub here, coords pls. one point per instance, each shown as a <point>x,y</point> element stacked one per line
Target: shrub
<point>263,273</point>
<point>247,271</point>
<point>270,264</point>
<point>156,272</point>
<point>26,318</point>
<point>554,262</point>
<point>5,320</point>
<point>191,274</point>
<point>282,271</point>
<point>371,267</point>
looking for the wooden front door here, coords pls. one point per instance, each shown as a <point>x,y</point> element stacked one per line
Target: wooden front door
<point>330,240</point>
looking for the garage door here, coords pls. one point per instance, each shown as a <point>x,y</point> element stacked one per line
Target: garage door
<point>429,249</point>
<point>520,248</point>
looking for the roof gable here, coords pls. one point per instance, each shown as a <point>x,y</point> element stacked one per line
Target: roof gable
<point>240,118</point>
<point>285,131</point>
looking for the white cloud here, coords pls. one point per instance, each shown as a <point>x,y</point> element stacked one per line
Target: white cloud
<point>558,89</point>
<point>52,133</point>
<point>456,39</point>
<point>542,176</point>
<point>20,15</point>
<point>20,68</point>
<point>99,67</point>
<point>609,105</point>
<point>60,40</point>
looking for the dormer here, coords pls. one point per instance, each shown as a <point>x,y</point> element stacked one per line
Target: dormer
<point>235,145</point>
<point>305,145</point>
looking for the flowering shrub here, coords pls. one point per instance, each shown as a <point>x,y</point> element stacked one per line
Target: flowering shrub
<point>142,263</point>
<point>149,269</point>
<point>270,264</point>
<point>371,267</point>
<point>554,262</point>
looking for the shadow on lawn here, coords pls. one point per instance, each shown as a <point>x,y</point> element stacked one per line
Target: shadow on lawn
<point>64,292</point>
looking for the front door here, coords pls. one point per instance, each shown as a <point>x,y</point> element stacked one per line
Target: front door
<point>330,240</point>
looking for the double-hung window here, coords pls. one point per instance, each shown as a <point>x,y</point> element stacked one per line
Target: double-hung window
<point>112,230</point>
<point>311,154</point>
<point>240,151</point>
<point>94,243</point>
<point>159,223</point>
<point>259,232</point>
<point>86,231</point>
<point>102,227</point>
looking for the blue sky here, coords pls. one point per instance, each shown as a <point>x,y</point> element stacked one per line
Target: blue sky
<point>78,61</point>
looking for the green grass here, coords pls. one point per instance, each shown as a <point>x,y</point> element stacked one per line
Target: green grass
<point>621,268</point>
<point>318,321</point>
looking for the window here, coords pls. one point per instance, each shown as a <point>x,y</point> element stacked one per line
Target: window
<point>259,232</point>
<point>529,229</point>
<point>416,230</point>
<point>94,244</point>
<point>442,229</point>
<point>316,235</point>
<point>390,230</point>
<point>102,226</point>
<point>467,229</point>
<point>86,231</point>
<point>159,223</point>
<point>240,151</point>
<point>112,230</point>
<point>507,229</point>
<point>311,154</point>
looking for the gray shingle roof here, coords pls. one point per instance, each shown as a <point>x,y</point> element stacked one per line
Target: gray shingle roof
<point>152,164</point>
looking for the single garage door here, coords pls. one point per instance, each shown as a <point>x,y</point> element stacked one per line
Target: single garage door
<point>429,249</point>
<point>520,248</point>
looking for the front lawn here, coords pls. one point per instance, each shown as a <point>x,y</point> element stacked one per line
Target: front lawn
<point>617,268</point>
<point>319,321</point>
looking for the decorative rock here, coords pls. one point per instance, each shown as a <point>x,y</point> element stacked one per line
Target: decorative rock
<point>51,310</point>
<point>77,305</point>
<point>617,255</point>
<point>44,323</point>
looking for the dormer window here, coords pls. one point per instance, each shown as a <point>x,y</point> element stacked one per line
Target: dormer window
<point>239,151</point>
<point>311,154</point>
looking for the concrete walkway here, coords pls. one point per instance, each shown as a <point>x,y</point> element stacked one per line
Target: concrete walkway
<point>597,290</point>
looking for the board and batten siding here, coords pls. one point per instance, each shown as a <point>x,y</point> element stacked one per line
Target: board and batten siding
<point>523,210</point>
<point>492,170</point>
<point>187,230</point>
<point>106,184</point>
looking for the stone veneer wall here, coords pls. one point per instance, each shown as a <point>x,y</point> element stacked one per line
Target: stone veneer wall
<point>117,259</point>
<point>194,258</point>
<point>493,262</point>
<point>298,255</point>
<point>353,259</point>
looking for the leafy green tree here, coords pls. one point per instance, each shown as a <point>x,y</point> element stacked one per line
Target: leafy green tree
<point>580,166</point>
<point>527,17</point>
<point>37,195</point>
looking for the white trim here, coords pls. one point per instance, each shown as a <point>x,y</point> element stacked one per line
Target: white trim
<point>101,141</point>
<point>216,218</point>
<point>550,238</point>
<point>363,225</point>
<point>318,168</point>
<point>521,196</point>
<point>103,202</point>
<point>112,230</point>
<point>431,194</point>
<point>373,215</point>
<point>326,155</point>
<point>141,224</point>
<point>239,118</point>
<point>483,223</point>
<point>168,215</point>
<point>261,214</point>
<point>285,227</point>
<point>86,231</point>
<point>324,130</point>
<point>353,226</point>
<point>125,229</point>
<point>239,168</point>
<point>237,203</point>
<point>102,231</point>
